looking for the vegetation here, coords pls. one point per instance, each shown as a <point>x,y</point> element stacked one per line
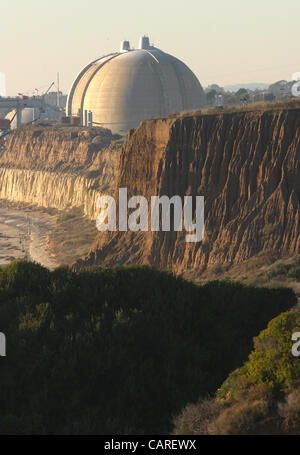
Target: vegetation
<point>65,217</point>
<point>118,350</point>
<point>263,270</point>
<point>72,236</point>
<point>261,397</point>
<point>286,104</point>
<point>271,363</point>
<point>282,272</point>
<point>285,270</point>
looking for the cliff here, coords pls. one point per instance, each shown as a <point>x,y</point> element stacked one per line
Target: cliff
<point>245,164</point>
<point>61,167</point>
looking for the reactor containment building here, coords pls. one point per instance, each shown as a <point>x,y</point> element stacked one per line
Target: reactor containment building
<point>119,90</point>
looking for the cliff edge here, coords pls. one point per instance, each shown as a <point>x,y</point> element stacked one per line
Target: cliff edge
<point>245,164</point>
<point>59,166</point>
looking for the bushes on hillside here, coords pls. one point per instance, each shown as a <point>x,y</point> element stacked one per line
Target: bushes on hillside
<point>119,351</point>
<point>261,397</point>
<point>285,270</point>
<point>271,362</point>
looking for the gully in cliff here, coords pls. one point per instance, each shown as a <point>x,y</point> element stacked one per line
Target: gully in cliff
<point>160,214</point>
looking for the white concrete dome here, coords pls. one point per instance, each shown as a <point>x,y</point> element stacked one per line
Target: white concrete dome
<point>121,89</point>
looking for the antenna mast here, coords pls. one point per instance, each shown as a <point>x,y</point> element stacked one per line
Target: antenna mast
<point>57,101</point>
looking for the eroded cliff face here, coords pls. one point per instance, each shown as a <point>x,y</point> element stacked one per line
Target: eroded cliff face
<point>61,167</point>
<point>245,164</point>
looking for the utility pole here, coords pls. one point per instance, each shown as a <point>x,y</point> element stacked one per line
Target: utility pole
<point>57,90</point>
<point>19,116</point>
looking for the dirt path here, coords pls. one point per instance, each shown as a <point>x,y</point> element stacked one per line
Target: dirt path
<point>24,233</point>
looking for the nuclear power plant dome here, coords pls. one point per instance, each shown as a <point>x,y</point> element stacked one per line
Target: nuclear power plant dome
<point>119,90</point>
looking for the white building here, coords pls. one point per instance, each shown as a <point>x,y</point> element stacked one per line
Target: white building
<point>123,88</point>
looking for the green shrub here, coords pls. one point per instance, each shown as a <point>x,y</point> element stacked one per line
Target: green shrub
<point>294,273</point>
<point>285,270</point>
<point>119,351</point>
<point>261,397</point>
<point>65,217</point>
<point>271,363</point>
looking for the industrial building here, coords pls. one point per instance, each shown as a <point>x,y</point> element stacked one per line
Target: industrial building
<point>23,109</point>
<point>119,90</point>
<point>30,115</point>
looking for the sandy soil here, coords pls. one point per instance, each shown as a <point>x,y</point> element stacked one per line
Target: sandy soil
<point>24,234</point>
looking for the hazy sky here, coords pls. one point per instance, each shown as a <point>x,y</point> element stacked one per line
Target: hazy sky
<point>223,42</point>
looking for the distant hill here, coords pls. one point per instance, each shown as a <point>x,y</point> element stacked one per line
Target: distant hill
<point>250,86</point>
